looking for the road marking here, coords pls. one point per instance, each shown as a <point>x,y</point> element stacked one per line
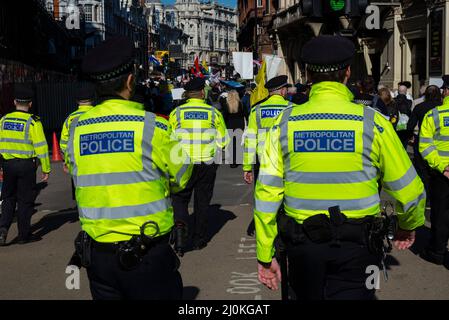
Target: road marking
<point>245,283</point>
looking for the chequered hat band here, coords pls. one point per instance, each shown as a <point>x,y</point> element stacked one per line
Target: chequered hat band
<point>24,100</point>
<point>326,68</point>
<point>113,74</point>
<point>278,87</point>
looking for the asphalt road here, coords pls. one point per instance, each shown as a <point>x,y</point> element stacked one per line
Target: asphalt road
<point>225,269</point>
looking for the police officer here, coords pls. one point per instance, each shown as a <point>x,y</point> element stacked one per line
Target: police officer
<point>260,121</point>
<point>85,95</point>
<point>202,131</point>
<point>22,140</point>
<point>434,148</point>
<point>326,153</point>
<point>119,158</point>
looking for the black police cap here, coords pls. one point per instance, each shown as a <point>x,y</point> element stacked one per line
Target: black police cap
<point>23,92</point>
<point>111,59</point>
<point>445,82</point>
<point>328,53</point>
<point>85,91</point>
<point>196,84</point>
<point>277,83</point>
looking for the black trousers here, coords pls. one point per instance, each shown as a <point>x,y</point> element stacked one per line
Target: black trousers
<point>19,180</point>
<point>421,166</point>
<point>157,277</point>
<point>325,272</point>
<point>201,184</point>
<point>439,213</point>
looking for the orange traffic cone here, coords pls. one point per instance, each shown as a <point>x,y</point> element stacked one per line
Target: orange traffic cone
<point>56,156</point>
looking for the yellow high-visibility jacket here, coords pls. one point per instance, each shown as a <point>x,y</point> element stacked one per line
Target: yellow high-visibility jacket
<point>434,137</point>
<point>22,136</point>
<point>260,121</point>
<point>331,152</point>
<point>65,127</point>
<point>200,128</point>
<point>122,165</point>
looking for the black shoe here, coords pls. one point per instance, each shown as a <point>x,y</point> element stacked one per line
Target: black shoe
<point>3,235</point>
<point>29,239</point>
<point>199,245</point>
<point>433,257</point>
<point>446,261</point>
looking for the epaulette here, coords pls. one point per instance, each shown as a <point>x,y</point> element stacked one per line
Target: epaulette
<point>36,118</point>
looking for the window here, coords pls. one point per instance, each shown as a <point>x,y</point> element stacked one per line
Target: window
<point>259,3</point>
<point>95,13</point>
<point>267,6</point>
<point>88,12</point>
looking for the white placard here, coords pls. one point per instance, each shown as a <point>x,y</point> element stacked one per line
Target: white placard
<point>243,64</point>
<point>273,65</point>
<point>177,93</point>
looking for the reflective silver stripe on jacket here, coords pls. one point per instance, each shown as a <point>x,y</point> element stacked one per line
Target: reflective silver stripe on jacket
<point>436,120</point>
<point>415,202</point>
<point>12,140</point>
<point>428,150</point>
<point>425,140</point>
<point>402,182</point>
<point>27,128</point>
<point>40,144</point>
<point>125,212</point>
<point>320,204</point>
<point>27,153</point>
<point>267,206</point>
<point>270,180</point>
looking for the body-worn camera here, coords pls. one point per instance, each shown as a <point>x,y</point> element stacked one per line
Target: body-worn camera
<point>131,252</point>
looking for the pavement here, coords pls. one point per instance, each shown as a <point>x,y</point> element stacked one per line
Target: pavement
<point>225,269</point>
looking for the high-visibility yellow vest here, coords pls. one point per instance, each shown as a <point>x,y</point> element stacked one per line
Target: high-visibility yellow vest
<point>65,127</point>
<point>200,128</point>
<point>122,165</point>
<point>434,137</point>
<point>22,136</point>
<point>260,121</point>
<point>331,152</point>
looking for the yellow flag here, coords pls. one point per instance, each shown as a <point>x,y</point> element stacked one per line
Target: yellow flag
<point>260,92</point>
<point>204,64</point>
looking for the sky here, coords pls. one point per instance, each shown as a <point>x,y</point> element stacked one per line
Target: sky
<point>229,3</point>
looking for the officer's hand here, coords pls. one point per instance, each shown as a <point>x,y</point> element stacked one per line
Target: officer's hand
<point>248,177</point>
<point>446,172</point>
<point>45,177</point>
<point>271,276</point>
<point>404,239</point>
<point>65,168</point>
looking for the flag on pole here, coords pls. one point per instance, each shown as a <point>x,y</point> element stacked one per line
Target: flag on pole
<point>204,64</point>
<point>198,72</point>
<point>260,92</point>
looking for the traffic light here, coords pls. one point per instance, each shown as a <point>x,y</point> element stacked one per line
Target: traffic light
<point>336,8</point>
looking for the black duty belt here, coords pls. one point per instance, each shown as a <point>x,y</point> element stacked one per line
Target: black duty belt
<point>112,247</point>
<point>20,160</point>
<point>323,229</point>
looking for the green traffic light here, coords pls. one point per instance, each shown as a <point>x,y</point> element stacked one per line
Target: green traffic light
<point>337,5</point>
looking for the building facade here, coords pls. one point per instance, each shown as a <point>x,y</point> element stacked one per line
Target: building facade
<point>212,30</point>
<point>255,22</point>
<point>412,43</point>
<point>106,18</point>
